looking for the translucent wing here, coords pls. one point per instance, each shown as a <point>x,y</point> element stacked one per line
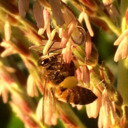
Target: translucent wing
<point>55,47</point>
<point>49,107</point>
<point>76,95</point>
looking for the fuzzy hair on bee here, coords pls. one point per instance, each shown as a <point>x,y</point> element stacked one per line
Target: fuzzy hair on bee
<point>61,84</point>
<point>54,69</point>
<point>60,76</point>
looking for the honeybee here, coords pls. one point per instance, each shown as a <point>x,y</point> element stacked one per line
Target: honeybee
<point>59,77</point>
<point>60,84</point>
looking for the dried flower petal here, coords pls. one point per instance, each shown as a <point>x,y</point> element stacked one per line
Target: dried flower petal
<point>57,13</point>
<point>83,74</point>
<point>39,110</point>
<point>7,52</point>
<point>50,116</point>
<point>122,51</point>
<point>123,122</point>
<point>121,37</point>
<point>38,14</point>
<point>86,74</point>
<point>67,120</point>
<point>78,74</point>
<point>126,16</point>
<point>101,24</point>
<point>88,25</point>
<point>68,15</point>
<point>101,118</point>
<point>104,120</point>
<point>9,69</point>
<point>31,87</point>
<point>28,121</point>
<point>66,34</point>
<point>67,55</point>
<point>89,3</point>
<point>21,103</point>
<point>107,116</point>
<point>107,2</point>
<point>93,108</point>
<point>88,46</point>
<point>79,107</point>
<point>6,77</point>
<point>11,48</point>
<point>113,12</point>
<point>7,31</point>
<point>3,92</point>
<point>23,7</point>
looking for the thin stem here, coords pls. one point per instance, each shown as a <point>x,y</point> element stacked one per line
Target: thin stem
<point>38,122</point>
<point>66,109</point>
<point>124,6</point>
<point>110,24</point>
<point>123,79</point>
<point>123,64</point>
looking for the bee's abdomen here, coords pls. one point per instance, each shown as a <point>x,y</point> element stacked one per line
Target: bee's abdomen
<point>76,95</point>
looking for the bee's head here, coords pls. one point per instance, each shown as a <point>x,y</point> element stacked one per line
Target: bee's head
<point>45,61</point>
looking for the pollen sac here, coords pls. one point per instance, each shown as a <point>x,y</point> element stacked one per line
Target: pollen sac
<point>93,59</point>
<point>38,14</point>
<point>76,95</point>
<point>78,35</point>
<point>57,13</point>
<point>23,7</point>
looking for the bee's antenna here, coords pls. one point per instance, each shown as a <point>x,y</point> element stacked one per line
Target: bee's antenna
<point>54,49</point>
<point>51,46</point>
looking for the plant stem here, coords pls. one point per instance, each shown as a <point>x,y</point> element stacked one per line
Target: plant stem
<point>123,8</point>
<point>123,64</point>
<point>38,122</point>
<point>66,109</point>
<point>123,79</point>
<point>107,20</point>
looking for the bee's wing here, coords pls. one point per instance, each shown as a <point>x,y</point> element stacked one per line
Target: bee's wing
<point>76,95</point>
<point>37,48</point>
<point>55,46</point>
<point>49,107</point>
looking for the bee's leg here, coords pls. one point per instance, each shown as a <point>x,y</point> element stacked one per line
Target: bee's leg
<point>52,92</point>
<point>45,93</point>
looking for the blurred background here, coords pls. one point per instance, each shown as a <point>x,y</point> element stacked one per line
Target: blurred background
<point>104,43</point>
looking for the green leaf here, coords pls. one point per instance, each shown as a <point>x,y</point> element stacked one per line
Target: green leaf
<point>15,122</point>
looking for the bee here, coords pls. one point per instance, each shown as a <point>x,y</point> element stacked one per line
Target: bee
<point>61,84</point>
<point>59,76</point>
